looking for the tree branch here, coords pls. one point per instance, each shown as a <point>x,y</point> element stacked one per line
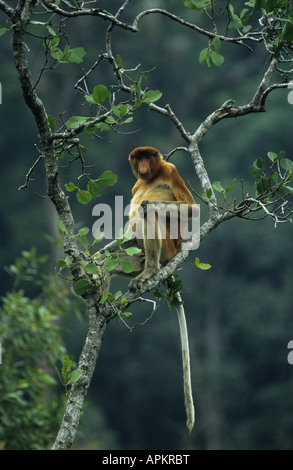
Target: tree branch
<point>86,364</point>
<point>257,105</point>
<point>7,9</point>
<point>238,40</point>
<point>88,12</point>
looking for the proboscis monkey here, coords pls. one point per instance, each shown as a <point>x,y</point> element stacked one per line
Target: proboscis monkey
<point>159,189</point>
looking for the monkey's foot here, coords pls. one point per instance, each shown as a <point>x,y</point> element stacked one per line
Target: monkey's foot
<point>138,281</point>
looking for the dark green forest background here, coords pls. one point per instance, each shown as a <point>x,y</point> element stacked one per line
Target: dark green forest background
<point>239,313</point>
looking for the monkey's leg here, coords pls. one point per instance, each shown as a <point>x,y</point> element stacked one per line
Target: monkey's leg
<point>152,250</point>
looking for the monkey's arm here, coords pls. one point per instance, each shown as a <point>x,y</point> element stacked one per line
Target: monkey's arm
<point>193,209</point>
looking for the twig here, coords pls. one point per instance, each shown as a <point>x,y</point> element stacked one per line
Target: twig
<point>7,9</point>
<point>238,40</point>
<point>28,175</point>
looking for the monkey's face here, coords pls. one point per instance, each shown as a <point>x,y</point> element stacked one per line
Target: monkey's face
<point>145,162</point>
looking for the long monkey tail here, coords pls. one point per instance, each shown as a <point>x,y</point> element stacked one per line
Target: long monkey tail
<point>186,365</point>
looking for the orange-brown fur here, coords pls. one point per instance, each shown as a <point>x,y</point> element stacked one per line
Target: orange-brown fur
<point>157,180</point>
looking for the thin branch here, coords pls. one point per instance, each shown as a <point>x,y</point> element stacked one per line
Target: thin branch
<point>272,88</point>
<point>238,40</point>
<point>270,214</point>
<point>28,175</point>
<point>177,149</point>
<point>7,9</point>
<point>204,179</point>
<point>80,128</point>
<point>227,110</point>
<point>86,364</point>
<point>88,12</point>
<point>85,75</point>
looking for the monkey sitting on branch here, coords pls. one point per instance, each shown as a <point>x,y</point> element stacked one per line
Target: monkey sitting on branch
<point>160,208</point>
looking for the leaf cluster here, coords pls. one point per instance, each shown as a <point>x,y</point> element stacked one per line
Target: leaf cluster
<point>94,187</point>
<point>274,178</point>
<point>67,375</point>
<point>211,54</point>
<point>113,260</point>
<point>168,292</point>
<point>276,25</point>
<point>65,56</point>
<point>31,344</point>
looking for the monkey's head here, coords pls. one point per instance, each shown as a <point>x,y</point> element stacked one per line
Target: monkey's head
<point>145,162</point>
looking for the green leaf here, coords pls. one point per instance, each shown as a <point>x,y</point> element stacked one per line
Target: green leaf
<point>117,294</point>
<point>94,188</point>
<point>106,296</point>
<point>255,173</point>
<point>92,268</point>
<point>57,54</point>
<point>205,57</point>
<point>110,263</point>
<point>61,263</point>
<point>3,30</point>
<point>66,364</point>
<point>263,185</point>
<point>84,242</point>
<point>275,177</point>
<point>217,59</point>
<point>133,251</point>
<point>152,95</point>
<point>83,231</point>
<point>70,187</point>
<point>119,60</point>
<point>84,197</point>
<point>235,21</point>
<point>53,43</point>
<point>81,286</point>
<point>108,178</point>
<point>138,102</point>
<point>74,376</point>
<point>231,186</point>
<point>127,236</point>
<point>127,314</point>
<point>286,164</point>
<point>218,187</point>
<point>51,30</point>
<point>52,123</point>
<point>158,294</point>
<point>62,227</point>
<point>272,156</point>
<point>100,93</point>
<point>128,120</point>
<point>76,55</point>
<point>203,266</point>
<point>111,120</point>
<point>288,30</point>
<point>195,4</point>
<point>208,194</point>
<point>76,121</point>
<point>216,42</point>
<point>259,163</point>
<point>126,266</point>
